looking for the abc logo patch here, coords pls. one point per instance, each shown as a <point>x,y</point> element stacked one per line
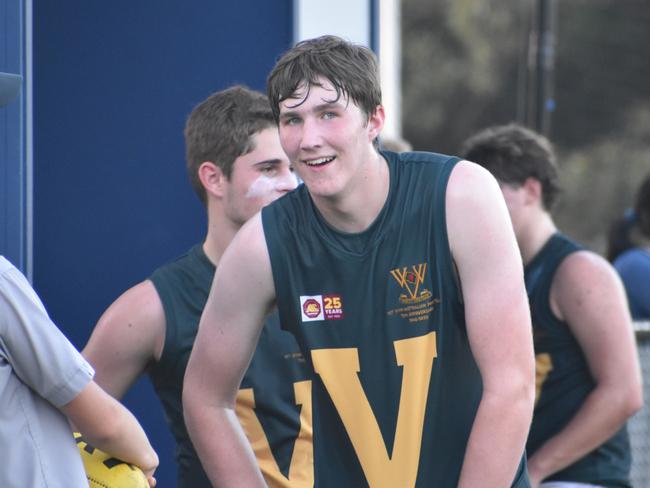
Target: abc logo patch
<point>311,308</point>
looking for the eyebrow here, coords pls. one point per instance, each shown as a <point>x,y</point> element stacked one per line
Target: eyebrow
<point>274,161</point>
<point>289,115</point>
<point>316,108</point>
<point>328,105</point>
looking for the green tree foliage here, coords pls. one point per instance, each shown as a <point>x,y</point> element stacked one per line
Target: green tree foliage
<point>465,67</point>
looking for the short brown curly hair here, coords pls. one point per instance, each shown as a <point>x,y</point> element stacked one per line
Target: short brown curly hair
<point>350,68</point>
<point>220,129</point>
<point>513,153</point>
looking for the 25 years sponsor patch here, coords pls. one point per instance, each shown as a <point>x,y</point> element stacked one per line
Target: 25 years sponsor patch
<point>321,307</point>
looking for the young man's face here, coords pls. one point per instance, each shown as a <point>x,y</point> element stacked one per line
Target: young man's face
<point>258,178</point>
<point>327,140</point>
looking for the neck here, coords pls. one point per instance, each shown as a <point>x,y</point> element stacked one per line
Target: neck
<point>532,238</point>
<point>220,232</point>
<point>356,208</point>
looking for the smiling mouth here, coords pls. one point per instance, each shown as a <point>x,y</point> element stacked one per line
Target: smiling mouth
<point>319,161</point>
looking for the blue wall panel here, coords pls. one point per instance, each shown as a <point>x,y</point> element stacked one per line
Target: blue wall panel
<point>113,84</point>
<point>12,164</point>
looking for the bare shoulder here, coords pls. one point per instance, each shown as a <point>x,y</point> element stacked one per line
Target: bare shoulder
<point>247,251</point>
<point>129,335</point>
<point>584,270</point>
<point>476,212</point>
<point>584,284</point>
<point>250,238</point>
<point>138,311</point>
<point>469,180</point>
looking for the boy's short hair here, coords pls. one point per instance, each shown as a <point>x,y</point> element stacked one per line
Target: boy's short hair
<point>350,68</point>
<point>513,153</point>
<point>220,129</point>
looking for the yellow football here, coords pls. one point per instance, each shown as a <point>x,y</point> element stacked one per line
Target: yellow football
<point>104,471</point>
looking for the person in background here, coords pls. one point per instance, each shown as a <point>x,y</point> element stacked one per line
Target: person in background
<point>400,277</point>
<point>588,375</point>
<point>46,385</point>
<point>236,165</point>
<point>633,262</point>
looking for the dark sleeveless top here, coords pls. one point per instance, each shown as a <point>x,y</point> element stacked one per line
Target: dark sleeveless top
<point>563,377</point>
<point>378,315</point>
<point>268,386</point>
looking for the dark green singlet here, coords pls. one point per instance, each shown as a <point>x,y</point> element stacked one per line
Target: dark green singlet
<point>183,286</point>
<point>378,314</point>
<point>563,377</point>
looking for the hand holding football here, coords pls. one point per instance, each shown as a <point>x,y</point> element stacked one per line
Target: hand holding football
<point>104,471</point>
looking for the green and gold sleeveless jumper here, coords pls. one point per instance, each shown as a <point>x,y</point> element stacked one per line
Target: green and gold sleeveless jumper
<point>378,314</point>
<point>269,405</point>
<point>563,377</point>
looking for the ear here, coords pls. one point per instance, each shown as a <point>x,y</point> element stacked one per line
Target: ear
<point>533,189</point>
<point>212,178</point>
<point>376,122</point>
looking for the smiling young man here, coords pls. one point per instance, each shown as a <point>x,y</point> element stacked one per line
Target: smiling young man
<point>236,166</point>
<point>399,276</point>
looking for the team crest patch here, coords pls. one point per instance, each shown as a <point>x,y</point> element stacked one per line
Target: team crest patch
<point>410,280</point>
<point>416,301</point>
<point>321,307</point>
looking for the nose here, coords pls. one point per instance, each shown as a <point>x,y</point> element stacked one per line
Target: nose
<point>287,181</point>
<point>310,137</point>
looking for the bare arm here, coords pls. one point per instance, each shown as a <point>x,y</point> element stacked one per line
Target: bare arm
<point>498,324</point>
<point>241,295</point>
<point>127,338</point>
<point>588,295</point>
<point>108,425</point>
<point>99,417</point>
